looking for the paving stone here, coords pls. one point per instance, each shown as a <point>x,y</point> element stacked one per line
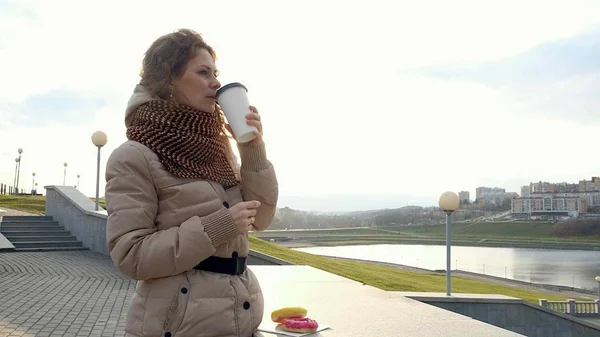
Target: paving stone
<point>62,294</point>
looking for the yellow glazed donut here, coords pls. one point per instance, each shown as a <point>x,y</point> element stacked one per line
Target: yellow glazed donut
<point>280,315</point>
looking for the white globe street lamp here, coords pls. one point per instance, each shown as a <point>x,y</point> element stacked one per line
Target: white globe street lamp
<point>14,186</point>
<point>99,139</point>
<point>20,150</point>
<point>65,174</point>
<point>449,203</point>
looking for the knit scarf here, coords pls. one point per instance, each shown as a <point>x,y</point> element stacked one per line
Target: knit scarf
<point>188,142</point>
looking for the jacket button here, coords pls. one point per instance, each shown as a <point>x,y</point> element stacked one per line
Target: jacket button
<point>226,204</point>
<point>234,255</point>
<point>246,305</point>
<point>167,334</point>
<point>184,290</point>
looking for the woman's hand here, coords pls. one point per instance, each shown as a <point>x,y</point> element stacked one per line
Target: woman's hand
<point>243,215</point>
<point>253,119</point>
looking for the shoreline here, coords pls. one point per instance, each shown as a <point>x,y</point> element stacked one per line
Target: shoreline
<point>492,243</point>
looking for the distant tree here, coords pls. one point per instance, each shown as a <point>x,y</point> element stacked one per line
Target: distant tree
<point>578,227</point>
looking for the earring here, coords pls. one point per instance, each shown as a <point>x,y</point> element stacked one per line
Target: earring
<point>171,92</point>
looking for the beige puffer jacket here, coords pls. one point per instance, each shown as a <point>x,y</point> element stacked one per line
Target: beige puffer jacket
<point>159,227</point>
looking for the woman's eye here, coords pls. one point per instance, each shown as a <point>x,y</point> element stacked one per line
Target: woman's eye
<point>203,72</point>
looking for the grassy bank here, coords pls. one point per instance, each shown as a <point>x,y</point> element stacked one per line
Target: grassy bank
<point>395,279</point>
<point>33,204</point>
<point>29,203</point>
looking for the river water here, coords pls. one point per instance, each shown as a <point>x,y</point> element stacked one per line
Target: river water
<point>571,268</point>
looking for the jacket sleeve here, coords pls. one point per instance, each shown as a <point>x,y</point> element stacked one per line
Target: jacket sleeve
<point>137,248</point>
<point>259,182</point>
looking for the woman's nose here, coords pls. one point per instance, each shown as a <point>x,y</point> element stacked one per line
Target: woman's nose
<point>216,84</point>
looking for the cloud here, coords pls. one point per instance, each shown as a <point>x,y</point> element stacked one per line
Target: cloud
<point>553,61</point>
<point>69,107</point>
<point>557,79</point>
<point>12,9</point>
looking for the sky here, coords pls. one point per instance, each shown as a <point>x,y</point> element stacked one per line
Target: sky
<point>365,104</point>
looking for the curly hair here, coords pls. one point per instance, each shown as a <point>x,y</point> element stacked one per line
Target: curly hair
<point>167,57</point>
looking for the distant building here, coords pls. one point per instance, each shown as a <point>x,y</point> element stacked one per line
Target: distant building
<point>493,195</point>
<point>464,197</point>
<point>546,187</point>
<point>511,195</point>
<point>525,191</point>
<point>541,187</point>
<point>589,185</point>
<point>592,198</point>
<point>588,190</point>
<point>550,206</point>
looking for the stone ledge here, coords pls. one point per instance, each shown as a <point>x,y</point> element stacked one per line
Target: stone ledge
<point>77,214</point>
<point>461,298</point>
<point>5,245</point>
<point>498,304</point>
<point>79,200</point>
<point>268,258</point>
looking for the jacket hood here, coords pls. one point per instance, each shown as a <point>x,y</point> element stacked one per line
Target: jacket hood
<point>141,95</point>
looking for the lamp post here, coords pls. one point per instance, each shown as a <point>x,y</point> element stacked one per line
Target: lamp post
<point>99,139</point>
<point>598,280</point>
<point>78,180</point>
<point>65,174</point>
<point>15,180</point>
<point>32,182</point>
<point>449,203</point>
<point>20,150</point>
<point>35,190</point>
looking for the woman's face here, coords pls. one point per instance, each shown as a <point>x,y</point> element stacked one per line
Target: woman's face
<point>197,86</point>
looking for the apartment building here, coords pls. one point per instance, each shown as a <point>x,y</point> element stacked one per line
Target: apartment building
<point>546,187</point>
<point>549,205</point>
<point>592,197</point>
<point>589,185</point>
<point>525,191</point>
<point>490,194</point>
<point>493,195</point>
<point>464,196</point>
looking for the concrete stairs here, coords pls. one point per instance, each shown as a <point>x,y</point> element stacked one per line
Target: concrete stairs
<point>38,233</point>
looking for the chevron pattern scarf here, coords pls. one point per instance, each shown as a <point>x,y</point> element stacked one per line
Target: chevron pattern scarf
<point>188,142</point>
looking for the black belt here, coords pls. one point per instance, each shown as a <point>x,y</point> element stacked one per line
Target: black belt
<point>231,266</point>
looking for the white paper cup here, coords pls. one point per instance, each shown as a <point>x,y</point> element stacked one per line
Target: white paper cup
<point>233,99</point>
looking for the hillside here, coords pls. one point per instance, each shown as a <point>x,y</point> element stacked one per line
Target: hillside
<point>288,218</point>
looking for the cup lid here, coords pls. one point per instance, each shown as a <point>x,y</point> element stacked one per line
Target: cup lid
<point>228,86</point>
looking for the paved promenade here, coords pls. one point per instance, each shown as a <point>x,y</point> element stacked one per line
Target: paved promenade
<point>62,294</point>
<point>15,212</point>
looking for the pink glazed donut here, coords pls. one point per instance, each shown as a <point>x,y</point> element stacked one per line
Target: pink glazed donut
<point>304,324</point>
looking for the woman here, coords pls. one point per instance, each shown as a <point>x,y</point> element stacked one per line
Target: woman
<point>178,215</point>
